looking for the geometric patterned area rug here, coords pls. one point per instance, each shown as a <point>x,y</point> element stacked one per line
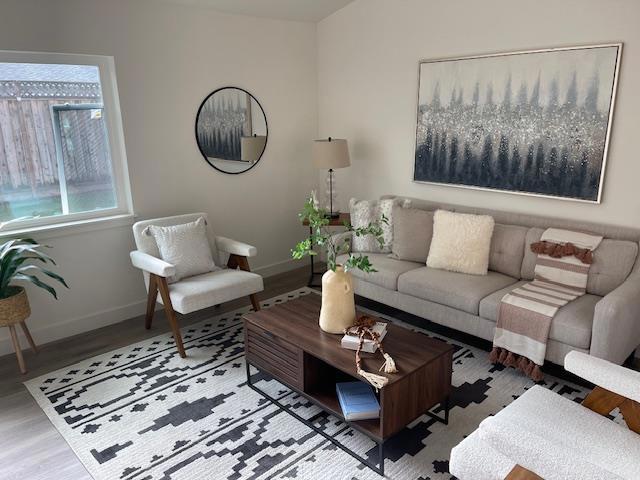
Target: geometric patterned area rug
<point>144,413</point>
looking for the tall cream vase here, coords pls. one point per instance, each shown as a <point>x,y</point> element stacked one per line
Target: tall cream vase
<point>338,309</point>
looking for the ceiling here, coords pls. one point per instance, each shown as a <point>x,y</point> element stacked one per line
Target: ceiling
<point>300,10</point>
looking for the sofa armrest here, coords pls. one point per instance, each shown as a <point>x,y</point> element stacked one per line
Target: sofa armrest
<point>612,377</point>
<point>616,322</point>
<point>342,240</point>
<point>235,247</point>
<point>151,264</point>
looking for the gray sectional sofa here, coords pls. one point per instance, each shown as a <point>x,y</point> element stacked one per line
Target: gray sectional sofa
<point>605,322</point>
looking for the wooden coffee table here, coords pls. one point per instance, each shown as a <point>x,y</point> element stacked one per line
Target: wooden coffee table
<point>286,342</point>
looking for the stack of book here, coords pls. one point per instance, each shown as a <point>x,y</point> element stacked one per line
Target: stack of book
<point>351,341</point>
<point>357,400</point>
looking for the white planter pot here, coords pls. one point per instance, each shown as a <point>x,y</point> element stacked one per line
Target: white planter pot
<point>338,305</point>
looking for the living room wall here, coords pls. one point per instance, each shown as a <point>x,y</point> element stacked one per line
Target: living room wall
<point>368,55</point>
<point>168,58</point>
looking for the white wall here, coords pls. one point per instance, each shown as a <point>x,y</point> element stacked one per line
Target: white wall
<point>368,55</point>
<point>168,58</point>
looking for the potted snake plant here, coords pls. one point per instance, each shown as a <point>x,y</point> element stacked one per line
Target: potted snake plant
<point>338,304</point>
<point>21,260</point>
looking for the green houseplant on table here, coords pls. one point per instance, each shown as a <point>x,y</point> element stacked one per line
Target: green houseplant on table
<point>338,305</point>
<point>20,260</point>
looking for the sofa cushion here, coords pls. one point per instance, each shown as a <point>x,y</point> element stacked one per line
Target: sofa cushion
<point>457,290</point>
<point>461,242</point>
<point>612,264</point>
<point>507,249</point>
<point>571,325</point>
<point>388,270</point>
<point>412,232</point>
<point>613,260</point>
<point>567,428</point>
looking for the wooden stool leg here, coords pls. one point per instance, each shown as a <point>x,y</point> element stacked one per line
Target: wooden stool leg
<point>254,302</point>
<point>27,334</point>
<point>171,315</point>
<point>16,347</point>
<point>151,300</point>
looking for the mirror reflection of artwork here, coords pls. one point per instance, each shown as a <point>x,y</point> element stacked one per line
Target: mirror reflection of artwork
<point>534,122</point>
<point>231,130</point>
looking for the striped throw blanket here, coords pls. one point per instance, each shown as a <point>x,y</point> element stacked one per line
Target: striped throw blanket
<point>526,312</point>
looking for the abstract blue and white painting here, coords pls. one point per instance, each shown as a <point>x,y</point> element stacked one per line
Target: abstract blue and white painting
<point>533,122</point>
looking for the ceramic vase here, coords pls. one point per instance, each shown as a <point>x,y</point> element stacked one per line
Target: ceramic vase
<point>338,309</point>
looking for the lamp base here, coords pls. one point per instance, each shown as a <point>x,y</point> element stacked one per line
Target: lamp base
<point>332,215</point>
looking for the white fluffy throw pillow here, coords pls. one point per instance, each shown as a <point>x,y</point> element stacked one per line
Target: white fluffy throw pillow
<point>186,247</point>
<point>364,212</point>
<point>461,242</point>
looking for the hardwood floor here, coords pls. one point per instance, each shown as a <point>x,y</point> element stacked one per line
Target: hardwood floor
<point>30,447</point>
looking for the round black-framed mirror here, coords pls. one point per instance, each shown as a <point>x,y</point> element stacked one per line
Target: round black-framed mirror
<point>231,130</point>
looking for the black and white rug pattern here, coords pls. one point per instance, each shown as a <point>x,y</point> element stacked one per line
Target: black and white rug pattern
<point>144,413</point>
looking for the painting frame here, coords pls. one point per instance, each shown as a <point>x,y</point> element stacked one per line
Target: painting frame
<point>609,117</point>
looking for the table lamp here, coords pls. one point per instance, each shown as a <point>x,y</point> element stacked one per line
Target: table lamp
<point>251,148</point>
<point>331,153</point>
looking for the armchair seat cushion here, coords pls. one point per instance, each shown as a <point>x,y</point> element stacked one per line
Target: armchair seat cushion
<point>388,270</point>
<point>475,459</point>
<point>572,441</point>
<point>457,290</point>
<point>208,289</point>
<point>572,324</point>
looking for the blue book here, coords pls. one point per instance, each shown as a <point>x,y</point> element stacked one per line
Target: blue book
<point>358,401</point>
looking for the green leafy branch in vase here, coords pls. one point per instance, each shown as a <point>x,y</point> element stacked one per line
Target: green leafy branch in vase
<point>322,237</point>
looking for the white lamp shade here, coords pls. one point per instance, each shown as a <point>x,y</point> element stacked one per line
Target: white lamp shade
<point>331,153</point>
<point>252,147</point>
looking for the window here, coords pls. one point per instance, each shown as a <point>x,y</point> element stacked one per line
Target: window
<point>62,156</point>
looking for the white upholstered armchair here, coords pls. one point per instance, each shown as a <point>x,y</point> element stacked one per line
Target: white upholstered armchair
<point>543,435</point>
<point>199,291</point>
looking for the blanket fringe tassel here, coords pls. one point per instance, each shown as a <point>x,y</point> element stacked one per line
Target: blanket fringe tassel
<point>510,359</point>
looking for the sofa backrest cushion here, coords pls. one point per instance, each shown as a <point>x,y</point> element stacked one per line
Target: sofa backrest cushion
<point>507,249</point>
<point>412,233</point>
<point>612,263</point>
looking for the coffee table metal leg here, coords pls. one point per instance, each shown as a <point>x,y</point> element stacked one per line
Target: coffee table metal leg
<point>445,405</point>
<point>379,468</point>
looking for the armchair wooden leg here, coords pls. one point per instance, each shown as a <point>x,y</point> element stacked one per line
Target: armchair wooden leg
<point>171,314</point>
<point>16,347</point>
<point>254,302</point>
<point>151,300</point>
<point>238,261</point>
<point>521,473</point>
<point>27,334</point>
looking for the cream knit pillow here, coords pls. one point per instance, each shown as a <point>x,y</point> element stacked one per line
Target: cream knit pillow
<point>185,246</point>
<point>461,242</point>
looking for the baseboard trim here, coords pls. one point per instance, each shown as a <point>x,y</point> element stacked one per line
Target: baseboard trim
<point>77,325</point>
<point>278,267</point>
<point>74,326</point>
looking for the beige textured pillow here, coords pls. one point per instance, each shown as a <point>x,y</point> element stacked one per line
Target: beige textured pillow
<point>461,242</point>
<point>412,232</point>
<point>185,246</point>
<point>364,212</point>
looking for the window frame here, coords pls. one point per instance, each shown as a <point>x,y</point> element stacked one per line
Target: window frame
<point>115,136</point>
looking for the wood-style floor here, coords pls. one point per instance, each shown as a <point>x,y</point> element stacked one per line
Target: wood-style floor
<point>30,447</point>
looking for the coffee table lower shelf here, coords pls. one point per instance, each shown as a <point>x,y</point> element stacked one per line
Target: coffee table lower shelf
<point>328,402</point>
